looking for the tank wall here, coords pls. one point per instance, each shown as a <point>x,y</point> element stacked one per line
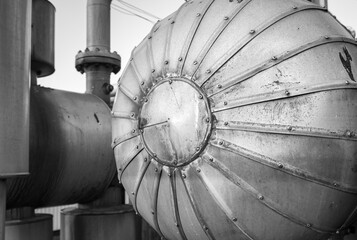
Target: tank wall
<point>70,155</point>
<point>15,38</point>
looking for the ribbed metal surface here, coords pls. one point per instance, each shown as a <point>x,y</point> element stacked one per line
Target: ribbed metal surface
<point>279,159</point>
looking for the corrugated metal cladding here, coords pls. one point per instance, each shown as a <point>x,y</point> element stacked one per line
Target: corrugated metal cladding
<point>56,212</point>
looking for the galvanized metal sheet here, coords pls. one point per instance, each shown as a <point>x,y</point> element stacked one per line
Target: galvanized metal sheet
<point>249,120</point>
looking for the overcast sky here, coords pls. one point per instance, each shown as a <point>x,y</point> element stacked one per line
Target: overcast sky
<point>127,32</point>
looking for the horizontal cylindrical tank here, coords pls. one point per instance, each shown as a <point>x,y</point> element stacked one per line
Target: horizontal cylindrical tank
<point>43,38</point>
<point>70,156</point>
<point>15,47</point>
<point>238,120</point>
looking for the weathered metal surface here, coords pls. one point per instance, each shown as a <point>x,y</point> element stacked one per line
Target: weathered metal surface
<point>69,132</point>
<point>238,120</point>
<point>15,52</point>
<point>43,38</point>
<point>97,61</point>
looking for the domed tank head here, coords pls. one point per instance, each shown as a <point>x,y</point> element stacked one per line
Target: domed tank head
<point>237,120</point>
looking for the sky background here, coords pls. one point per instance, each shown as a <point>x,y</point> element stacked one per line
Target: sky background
<point>126,33</point>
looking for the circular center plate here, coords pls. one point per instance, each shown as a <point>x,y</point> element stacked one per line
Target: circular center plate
<point>175,122</point>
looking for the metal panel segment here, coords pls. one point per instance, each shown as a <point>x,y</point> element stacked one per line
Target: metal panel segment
<point>264,200</point>
<point>249,37</point>
<point>278,165</point>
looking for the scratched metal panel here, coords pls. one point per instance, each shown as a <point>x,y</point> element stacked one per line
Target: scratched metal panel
<point>186,21</point>
<point>235,198</point>
<point>167,220</point>
<point>298,35</point>
<point>213,216</point>
<point>141,58</point>
<point>322,151</point>
<point>213,19</point>
<point>273,187</point>
<point>289,78</point>
<point>193,228</point>
<point>158,40</point>
<point>146,198</point>
<point>239,32</point>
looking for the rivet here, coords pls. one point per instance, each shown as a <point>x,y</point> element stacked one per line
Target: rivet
<point>141,130</point>
<point>274,58</point>
<point>153,70</point>
<point>135,98</point>
<point>184,175</point>
<point>137,146</point>
<point>166,62</point>
<point>131,59</point>
<point>261,197</point>
<point>169,174</point>
<point>145,159</point>
<point>152,212</point>
<point>225,103</point>
<point>348,134</point>
<point>252,31</point>
<point>198,149</point>
<point>79,51</point>
<point>220,142</point>
<point>280,165</point>
<point>176,224</point>
<point>170,81</point>
<point>290,128</point>
<point>142,83</point>
<point>208,71</point>
<point>308,225</point>
<point>226,18</point>
<point>347,82</point>
<point>146,100</point>
<point>205,227</point>
<point>154,154</point>
<point>219,86</point>
<point>133,131</point>
<point>175,162</point>
<point>172,22</point>
<point>132,193</point>
<point>295,7</point>
<point>156,169</point>
<point>234,219</point>
<point>327,37</point>
<point>200,96</point>
<point>120,169</point>
<point>180,59</point>
<point>132,115</point>
<point>149,37</point>
<point>211,159</point>
<point>225,123</point>
<point>198,170</point>
<point>198,14</point>
<point>195,63</point>
<point>207,120</point>
<point>287,93</point>
<point>335,184</point>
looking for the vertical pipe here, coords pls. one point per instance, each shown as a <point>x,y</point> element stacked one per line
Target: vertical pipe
<point>97,61</point>
<point>98,24</point>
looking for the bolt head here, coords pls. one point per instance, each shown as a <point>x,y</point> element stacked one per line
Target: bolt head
<point>252,31</point>
<point>225,123</point>
<point>234,219</point>
<point>219,86</point>
<point>226,18</point>
<point>198,14</point>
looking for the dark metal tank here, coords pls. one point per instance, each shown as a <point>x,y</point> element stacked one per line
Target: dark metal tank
<point>238,119</point>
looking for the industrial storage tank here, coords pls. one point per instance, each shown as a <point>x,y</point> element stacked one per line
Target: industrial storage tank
<point>237,119</point>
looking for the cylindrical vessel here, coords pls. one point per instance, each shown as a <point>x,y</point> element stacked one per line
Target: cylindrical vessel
<point>238,120</point>
<point>70,157</point>
<point>15,47</point>
<point>43,38</point>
